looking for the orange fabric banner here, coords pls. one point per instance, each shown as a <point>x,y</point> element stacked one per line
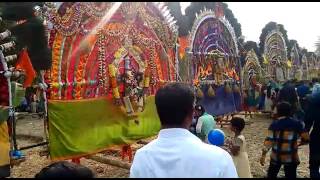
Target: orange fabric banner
<point>183,41</point>
<point>25,65</point>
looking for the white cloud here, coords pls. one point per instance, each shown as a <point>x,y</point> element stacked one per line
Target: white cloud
<point>300,19</point>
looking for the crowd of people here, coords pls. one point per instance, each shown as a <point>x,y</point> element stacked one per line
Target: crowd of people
<point>189,144</point>
<point>31,102</point>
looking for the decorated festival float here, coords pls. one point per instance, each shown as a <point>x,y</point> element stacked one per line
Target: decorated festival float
<point>275,57</point>
<point>305,66</point>
<point>23,56</point>
<point>214,62</point>
<point>108,60</point>
<point>252,77</point>
<point>318,65</point>
<point>312,64</point>
<point>295,72</point>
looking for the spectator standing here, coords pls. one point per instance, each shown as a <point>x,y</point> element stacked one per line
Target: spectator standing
<point>177,153</point>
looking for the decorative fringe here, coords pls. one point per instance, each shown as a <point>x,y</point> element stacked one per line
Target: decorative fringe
<point>211,92</point>
<point>199,93</point>
<point>227,88</point>
<point>236,88</point>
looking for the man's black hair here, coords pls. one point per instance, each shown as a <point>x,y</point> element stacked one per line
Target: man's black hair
<point>174,102</point>
<point>65,169</point>
<point>269,88</point>
<point>201,109</point>
<point>284,109</point>
<point>288,94</point>
<point>238,123</point>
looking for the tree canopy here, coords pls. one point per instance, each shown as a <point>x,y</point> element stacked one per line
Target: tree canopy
<point>291,44</point>
<point>30,34</point>
<point>186,21</point>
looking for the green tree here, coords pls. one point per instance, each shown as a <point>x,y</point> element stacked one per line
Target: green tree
<point>175,10</point>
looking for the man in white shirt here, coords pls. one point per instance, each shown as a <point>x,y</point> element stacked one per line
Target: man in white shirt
<point>177,153</point>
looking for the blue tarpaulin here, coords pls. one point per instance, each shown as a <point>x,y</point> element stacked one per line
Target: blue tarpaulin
<point>221,103</point>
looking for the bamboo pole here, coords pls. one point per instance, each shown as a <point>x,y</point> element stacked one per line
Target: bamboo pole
<point>109,161</point>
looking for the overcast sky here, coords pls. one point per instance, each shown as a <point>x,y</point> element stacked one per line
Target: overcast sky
<point>300,19</point>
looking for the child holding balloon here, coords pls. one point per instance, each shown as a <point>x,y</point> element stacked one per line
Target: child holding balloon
<point>236,147</point>
<point>217,137</point>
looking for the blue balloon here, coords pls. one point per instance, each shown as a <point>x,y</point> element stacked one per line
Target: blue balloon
<point>216,137</point>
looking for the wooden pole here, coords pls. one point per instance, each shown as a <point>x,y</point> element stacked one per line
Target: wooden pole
<point>109,161</point>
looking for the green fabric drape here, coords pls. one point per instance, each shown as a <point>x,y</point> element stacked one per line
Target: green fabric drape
<point>18,93</point>
<point>78,128</point>
<point>4,114</point>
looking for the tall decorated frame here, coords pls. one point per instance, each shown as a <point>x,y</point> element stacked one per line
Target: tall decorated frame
<point>275,54</point>
<point>312,64</point>
<point>305,67</point>
<point>252,71</point>
<point>295,72</point>
<point>215,67</point>
<point>108,61</point>
<point>318,65</point>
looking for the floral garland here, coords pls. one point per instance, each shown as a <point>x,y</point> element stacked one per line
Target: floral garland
<point>135,52</point>
<point>161,29</point>
<point>118,55</point>
<point>65,54</point>
<point>101,60</point>
<point>55,64</point>
<point>113,80</point>
<point>146,82</point>
<point>70,22</point>
<point>151,44</point>
<point>78,86</point>
<point>52,35</point>
<point>95,11</point>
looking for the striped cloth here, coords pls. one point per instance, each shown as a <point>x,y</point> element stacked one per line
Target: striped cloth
<point>283,136</point>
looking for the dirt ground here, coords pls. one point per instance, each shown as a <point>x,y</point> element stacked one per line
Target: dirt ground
<point>254,132</point>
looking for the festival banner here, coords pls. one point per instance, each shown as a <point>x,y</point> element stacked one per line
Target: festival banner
<point>82,127</point>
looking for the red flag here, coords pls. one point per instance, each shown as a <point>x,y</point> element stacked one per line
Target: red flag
<point>25,65</point>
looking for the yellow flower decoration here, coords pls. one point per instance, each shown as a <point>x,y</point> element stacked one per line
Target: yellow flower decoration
<point>265,61</point>
<point>289,63</point>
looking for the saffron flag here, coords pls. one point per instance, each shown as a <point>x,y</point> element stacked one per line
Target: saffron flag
<point>25,65</point>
